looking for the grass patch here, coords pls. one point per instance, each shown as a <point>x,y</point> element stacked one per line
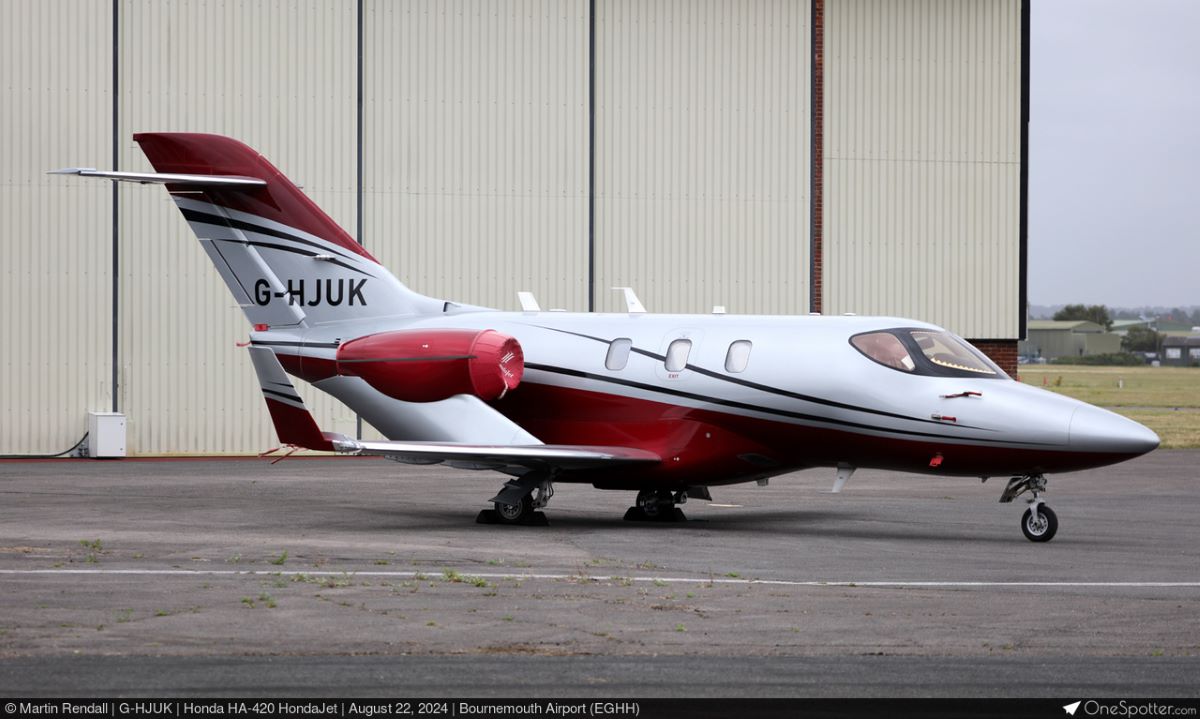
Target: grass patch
<point>1177,429</point>
<point>278,561</point>
<point>1165,399</point>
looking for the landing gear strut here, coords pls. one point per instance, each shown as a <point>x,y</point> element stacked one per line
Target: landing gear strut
<point>519,501</point>
<point>1039,523</point>
<point>657,505</point>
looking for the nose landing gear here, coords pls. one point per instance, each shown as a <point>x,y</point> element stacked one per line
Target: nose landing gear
<point>1039,523</point>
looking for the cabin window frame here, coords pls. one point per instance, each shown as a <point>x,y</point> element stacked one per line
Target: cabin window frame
<point>618,349</point>
<point>672,361</point>
<point>733,367</point>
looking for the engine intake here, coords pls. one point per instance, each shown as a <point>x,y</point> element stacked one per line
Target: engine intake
<point>432,365</point>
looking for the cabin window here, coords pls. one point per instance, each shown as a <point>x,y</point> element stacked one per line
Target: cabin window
<point>738,356</point>
<point>885,348</point>
<point>618,353</point>
<point>677,355</point>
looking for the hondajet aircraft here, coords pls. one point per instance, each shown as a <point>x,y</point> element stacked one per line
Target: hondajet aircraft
<point>664,405</point>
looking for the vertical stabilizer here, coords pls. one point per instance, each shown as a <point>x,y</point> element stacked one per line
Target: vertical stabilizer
<point>286,262</point>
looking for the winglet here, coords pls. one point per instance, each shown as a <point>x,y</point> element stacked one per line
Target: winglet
<point>529,303</point>
<point>293,422</point>
<point>632,303</point>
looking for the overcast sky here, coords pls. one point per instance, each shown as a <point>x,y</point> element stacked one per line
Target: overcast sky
<point>1114,152</point>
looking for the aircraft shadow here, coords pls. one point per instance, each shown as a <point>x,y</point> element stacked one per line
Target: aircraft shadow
<point>775,522</point>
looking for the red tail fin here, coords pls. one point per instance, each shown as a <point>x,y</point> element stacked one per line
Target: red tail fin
<point>280,200</point>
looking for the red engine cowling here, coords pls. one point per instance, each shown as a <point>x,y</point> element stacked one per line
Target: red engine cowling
<point>432,365</point>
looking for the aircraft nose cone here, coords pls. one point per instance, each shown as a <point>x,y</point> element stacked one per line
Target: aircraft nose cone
<point>1098,430</point>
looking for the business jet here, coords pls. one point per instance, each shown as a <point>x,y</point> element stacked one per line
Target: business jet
<point>664,405</point>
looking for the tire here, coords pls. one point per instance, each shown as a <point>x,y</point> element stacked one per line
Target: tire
<point>1041,528</point>
<point>515,513</point>
<point>648,502</point>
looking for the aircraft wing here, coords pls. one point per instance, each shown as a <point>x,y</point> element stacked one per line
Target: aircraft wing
<point>533,456</point>
<point>295,426</point>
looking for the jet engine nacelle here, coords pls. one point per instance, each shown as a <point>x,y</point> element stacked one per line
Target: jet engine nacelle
<point>432,365</point>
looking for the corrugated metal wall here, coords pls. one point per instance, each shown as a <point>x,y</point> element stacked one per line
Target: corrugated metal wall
<point>280,76</point>
<point>475,140</point>
<point>475,147</point>
<point>702,164</point>
<point>55,277</point>
<point>922,161</point>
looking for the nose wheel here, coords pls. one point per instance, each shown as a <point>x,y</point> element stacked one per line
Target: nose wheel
<point>1039,523</point>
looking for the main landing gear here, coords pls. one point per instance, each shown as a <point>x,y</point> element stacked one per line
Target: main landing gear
<point>657,505</point>
<point>1039,523</point>
<point>519,501</point>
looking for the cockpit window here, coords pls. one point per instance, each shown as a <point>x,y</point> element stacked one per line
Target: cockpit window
<point>945,350</point>
<point>926,352</point>
<point>886,349</point>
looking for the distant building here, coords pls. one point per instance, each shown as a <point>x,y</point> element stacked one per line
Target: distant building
<point>1068,338</point>
<point>1181,351</point>
<point>1122,327</point>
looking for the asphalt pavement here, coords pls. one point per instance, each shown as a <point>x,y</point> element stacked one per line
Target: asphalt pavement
<point>354,576</point>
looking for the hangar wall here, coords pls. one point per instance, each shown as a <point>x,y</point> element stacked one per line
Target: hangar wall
<point>56,293</point>
<point>475,122</point>
<point>285,85</point>
<point>923,162</point>
<point>456,138</point>
<point>702,140</point>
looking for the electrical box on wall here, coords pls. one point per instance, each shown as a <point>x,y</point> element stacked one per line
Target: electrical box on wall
<point>106,434</point>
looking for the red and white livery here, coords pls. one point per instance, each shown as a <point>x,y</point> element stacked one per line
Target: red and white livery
<point>664,405</point>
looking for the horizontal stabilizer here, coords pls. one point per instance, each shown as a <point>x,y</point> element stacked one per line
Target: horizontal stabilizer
<point>164,178</point>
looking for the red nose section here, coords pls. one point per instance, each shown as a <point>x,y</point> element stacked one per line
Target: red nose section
<point>432,365</point>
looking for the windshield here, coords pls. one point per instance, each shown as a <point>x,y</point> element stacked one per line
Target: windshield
<point>925,352</point>
<point>886,349</point>
<point>945,350</point>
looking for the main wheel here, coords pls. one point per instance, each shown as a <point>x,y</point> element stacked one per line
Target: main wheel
<point>650,502</point>
<point>518,513</point>
<point>1039,527</point>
